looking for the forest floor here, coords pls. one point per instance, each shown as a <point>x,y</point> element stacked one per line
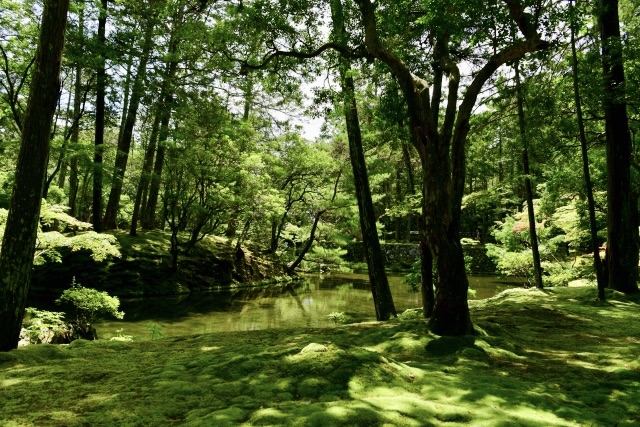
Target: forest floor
<point>541,358</point>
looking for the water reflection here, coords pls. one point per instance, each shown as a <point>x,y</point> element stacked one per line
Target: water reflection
<point>303,304</point>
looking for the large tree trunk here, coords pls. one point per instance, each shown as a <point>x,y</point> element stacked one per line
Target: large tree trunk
<point>18,243</point>
<point>533,235</point>
<point>597,262</point>
<point>622,234</point>
<point>383,300</point>
<point>124,142</point>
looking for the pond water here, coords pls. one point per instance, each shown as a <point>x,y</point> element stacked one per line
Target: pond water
<point>303,304</point>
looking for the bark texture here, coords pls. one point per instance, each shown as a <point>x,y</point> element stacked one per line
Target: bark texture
<point>597,261</point>
<point>18,243</point>
<point>622,234</point>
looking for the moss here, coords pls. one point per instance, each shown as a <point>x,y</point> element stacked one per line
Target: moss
<point>552,358</point>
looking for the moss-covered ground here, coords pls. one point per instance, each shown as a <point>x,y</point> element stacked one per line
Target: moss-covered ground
<point>552,358</point>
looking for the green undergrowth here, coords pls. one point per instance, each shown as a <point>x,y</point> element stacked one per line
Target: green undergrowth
<point>540,358</point>
<point>144,267</point>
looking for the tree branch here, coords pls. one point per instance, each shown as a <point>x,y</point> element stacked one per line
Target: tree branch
<point>276,53</point>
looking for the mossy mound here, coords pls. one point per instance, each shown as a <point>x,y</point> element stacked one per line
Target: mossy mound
<point>145,268</point>
<point>552,358</point>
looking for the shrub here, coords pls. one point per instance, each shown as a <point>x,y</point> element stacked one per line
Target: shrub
<point>42,325</point>
<point>339,317</point>
<point>89,303</point>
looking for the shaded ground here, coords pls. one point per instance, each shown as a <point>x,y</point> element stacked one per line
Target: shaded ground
<point>553,358</point>
<point>145,267</point>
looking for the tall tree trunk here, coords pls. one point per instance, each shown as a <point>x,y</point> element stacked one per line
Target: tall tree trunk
<point>124,142</point>
<point>148,220</point>
<point>75,135</point>
<point>149,213</point>
<point>18,243</point>
<point>145,175</point>
<point>125,99</point>
<point>533,235</point>
<point>622,231</point>
<point>147,198</point>
<point>234,210</point>
<point>62,165</point>
<point>383,300</point>
<point>101,84</point>
<point>597,262</point>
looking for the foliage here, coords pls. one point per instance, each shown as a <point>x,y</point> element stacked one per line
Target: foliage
<point>42,325</point>
<point>557,232</point>
<point>121,336</point>
<point>155,330</point>
<point>65,231</point>
<point>89,303</point>
<point>512,263</point>
<point>339,317</point>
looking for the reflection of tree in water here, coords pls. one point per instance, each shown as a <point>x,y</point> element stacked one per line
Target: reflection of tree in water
<point>345,288</point>
<point>303,303</point>
<point>300,303</point>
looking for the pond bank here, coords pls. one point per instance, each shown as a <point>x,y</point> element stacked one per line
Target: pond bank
<point>145,269</point>
<point>401,256</point>
<point>307,302</point>
<point>552,358</point>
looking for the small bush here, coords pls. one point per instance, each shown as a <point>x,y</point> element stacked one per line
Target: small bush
<point>42,325</point>
<point>339,317</point>
<point>155,330</point>
<point>90,303</point>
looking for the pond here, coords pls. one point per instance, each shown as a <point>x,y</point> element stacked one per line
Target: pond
<point>303,304</point>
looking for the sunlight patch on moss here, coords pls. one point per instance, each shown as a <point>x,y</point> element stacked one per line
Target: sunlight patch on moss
<point>534,366</point>
<point>225,417</point>
<point>10,382</point>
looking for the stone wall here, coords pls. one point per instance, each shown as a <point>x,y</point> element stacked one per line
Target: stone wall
<point>405,254</point>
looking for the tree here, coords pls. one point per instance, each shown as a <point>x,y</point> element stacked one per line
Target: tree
<point>126,138</point>
<point>99,120</point>
<point>18,243</point>
<point>597,262</point>
<point>622,215</point>
<point>158,138</point>
<point>537,269</point>
<point>442,150</point>
<point>383,300</point>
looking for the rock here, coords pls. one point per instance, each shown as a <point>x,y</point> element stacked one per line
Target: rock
<point>314,348</point>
